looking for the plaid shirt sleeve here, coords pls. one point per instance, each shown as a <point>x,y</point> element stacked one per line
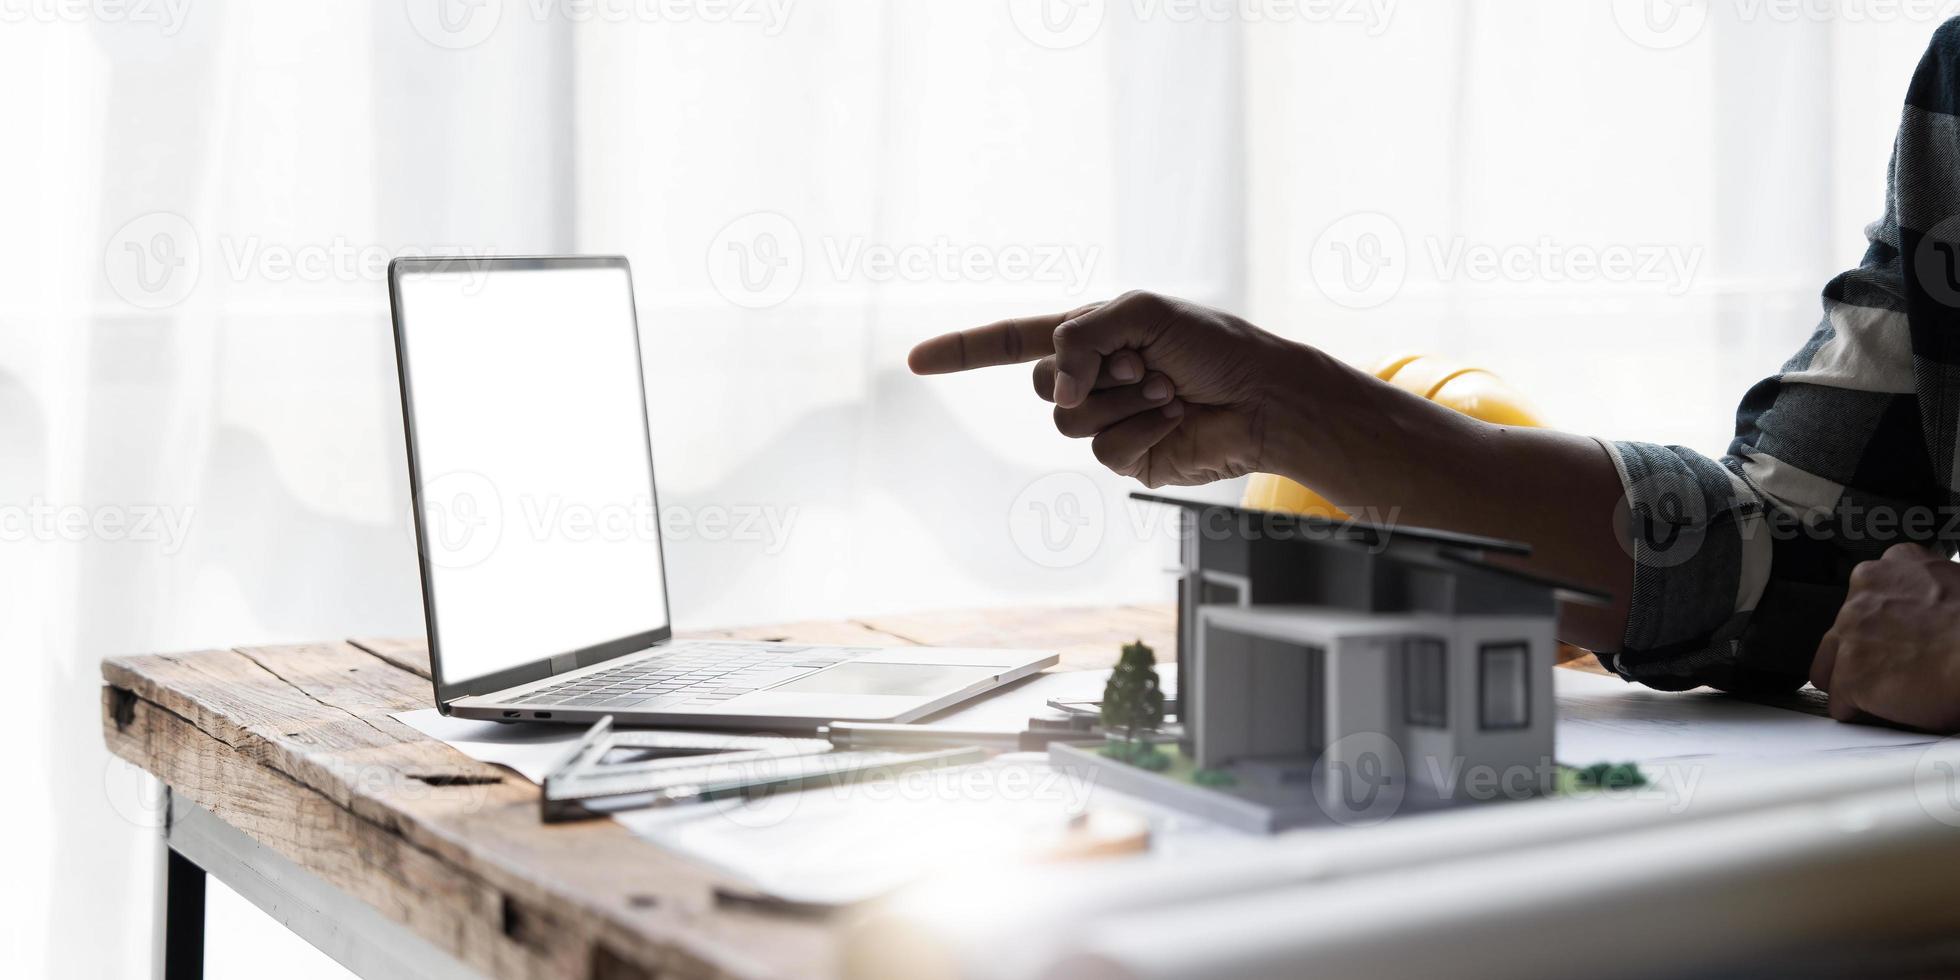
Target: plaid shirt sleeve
<point>1740,564</point>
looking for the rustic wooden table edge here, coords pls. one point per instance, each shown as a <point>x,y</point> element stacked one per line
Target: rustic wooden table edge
<point>294,747</point>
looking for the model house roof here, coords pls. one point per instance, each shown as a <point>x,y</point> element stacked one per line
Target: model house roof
<point>1291,558</point>
<point>1344,532</point>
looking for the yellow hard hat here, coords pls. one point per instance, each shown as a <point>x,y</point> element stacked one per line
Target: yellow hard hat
<point>1473,391</point>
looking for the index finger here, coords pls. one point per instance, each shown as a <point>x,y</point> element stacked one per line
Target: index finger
<point>1012,341</point>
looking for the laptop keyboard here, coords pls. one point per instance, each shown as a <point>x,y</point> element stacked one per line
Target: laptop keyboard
<point>702,673</point>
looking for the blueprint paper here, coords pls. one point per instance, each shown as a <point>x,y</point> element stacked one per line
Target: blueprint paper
<point>1606,719</point>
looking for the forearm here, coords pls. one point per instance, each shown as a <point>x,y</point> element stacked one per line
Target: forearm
<point>1375,449</point>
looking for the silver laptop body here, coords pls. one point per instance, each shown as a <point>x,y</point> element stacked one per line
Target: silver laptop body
<point>543,578</point>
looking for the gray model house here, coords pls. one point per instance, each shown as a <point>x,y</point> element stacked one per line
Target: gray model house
<point>1442,707</point>
<point>1359,658</point>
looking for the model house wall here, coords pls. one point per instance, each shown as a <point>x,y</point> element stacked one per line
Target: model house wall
<point>1448,707</point>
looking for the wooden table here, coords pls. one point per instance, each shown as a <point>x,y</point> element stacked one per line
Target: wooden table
<point>399,856</point>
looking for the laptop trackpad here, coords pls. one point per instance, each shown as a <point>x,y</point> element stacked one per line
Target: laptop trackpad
<point>866,677</point>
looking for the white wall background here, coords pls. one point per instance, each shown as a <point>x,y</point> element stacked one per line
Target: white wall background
<point>203,379</point>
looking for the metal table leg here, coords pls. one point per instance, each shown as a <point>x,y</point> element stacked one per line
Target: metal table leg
<point>199,847</point>
<point>182,942</point>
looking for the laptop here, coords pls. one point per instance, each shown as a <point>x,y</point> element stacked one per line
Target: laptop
<point>544,584</point>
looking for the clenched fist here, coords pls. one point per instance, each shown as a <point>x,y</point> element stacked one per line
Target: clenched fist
<point>1894,652</point>
<point>1170,392</point>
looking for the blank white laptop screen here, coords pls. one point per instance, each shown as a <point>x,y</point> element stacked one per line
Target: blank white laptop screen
<point>524,394</point>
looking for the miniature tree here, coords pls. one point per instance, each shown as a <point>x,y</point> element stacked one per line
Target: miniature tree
<point>1133,703</point>
<point>1622,775</point>
<point>1609,775</point>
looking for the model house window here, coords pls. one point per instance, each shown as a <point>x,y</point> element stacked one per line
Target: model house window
<point>1425,683</point>
<point>1504,686</point>
<point>1216,593</point>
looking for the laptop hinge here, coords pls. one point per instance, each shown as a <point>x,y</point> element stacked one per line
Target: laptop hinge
<point>564,662</point>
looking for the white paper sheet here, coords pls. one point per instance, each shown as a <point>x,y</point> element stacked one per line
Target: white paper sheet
<point>850,842</point>
<point>533,749</point>
<point>846,843</point>
<point>812,845</point>
<point>1606,719</point>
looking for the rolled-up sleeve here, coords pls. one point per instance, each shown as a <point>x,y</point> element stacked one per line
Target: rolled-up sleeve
<point>1694,530</point>
<point>1740,565</point>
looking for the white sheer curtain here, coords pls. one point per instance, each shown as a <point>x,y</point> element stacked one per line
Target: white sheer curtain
<point>195,360</point>
<point>1716,174</point>
<point>912,168</point>
<point>902,168</point>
